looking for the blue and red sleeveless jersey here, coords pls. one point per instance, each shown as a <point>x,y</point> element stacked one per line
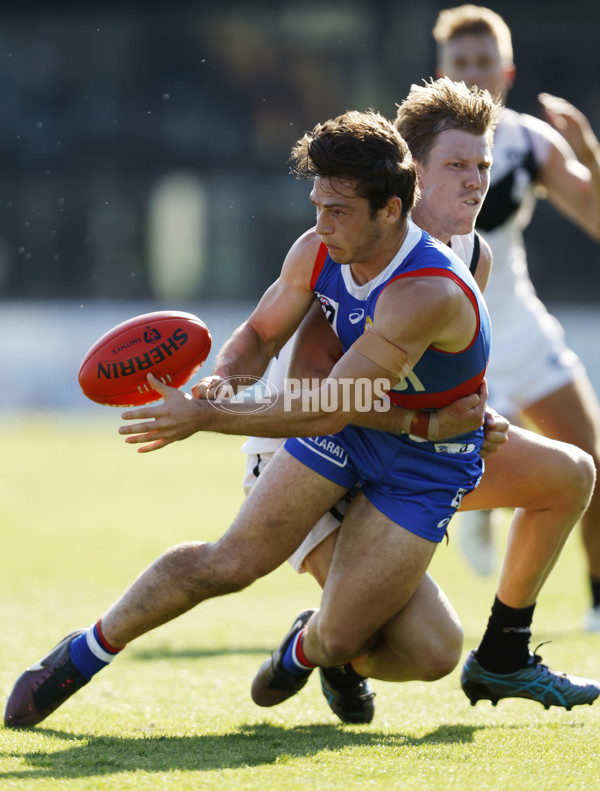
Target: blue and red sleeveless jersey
<point>438,378</point>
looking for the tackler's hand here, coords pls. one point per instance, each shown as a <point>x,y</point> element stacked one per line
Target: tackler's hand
<point>495,432</point>
<point>207,387</point>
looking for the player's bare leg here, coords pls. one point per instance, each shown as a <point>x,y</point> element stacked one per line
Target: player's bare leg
<point>553,490</point>
<point>376,568</point>
<point>267,530</point>
<point>423,641</point>
<point>550,484</point>
<point>572,414</point>
<point>553,482</point>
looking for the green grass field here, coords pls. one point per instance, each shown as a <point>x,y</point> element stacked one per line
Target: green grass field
<point>82,514</point>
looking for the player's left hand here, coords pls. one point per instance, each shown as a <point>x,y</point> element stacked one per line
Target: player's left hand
<point>495,432</point>
<point>178,417</point>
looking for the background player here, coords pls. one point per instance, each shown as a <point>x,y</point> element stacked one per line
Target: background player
<point>532,373</point>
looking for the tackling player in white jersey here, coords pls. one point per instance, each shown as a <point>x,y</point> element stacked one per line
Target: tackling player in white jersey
<point>425,639</point>
<point>532,372</point>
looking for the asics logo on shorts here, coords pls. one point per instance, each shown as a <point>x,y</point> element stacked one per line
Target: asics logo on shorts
<point>454,447</point>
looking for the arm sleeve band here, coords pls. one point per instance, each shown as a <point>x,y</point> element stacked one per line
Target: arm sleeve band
<point>383,353</point>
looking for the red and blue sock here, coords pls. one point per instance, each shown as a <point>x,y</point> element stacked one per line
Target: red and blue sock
<point>90,651</point>
<point>293,659</point>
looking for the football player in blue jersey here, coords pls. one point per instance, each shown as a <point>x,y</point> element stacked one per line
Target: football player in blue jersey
<point>424,640</point>
<point>422,311</point>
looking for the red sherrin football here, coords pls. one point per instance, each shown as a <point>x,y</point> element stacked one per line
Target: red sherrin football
<point>170,344</point>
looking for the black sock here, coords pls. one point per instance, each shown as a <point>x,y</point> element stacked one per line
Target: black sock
<point>504,647</point>
<point>595,585</point>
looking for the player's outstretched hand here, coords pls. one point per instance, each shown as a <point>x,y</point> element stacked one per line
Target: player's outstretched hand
<point>572,125</point>
<point>176,418</point>
<point>495,432</point>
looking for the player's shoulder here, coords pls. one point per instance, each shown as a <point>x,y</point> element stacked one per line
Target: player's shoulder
<point>432,259</point>
<point>426,244</point>
<point>432,252</point>
<point>485,251</point>
<point>303,253</point>
<point>483,266</point>
<point>464,246</point>
<point>307,245</point>
<point>525,130</point>
<point>538,131</point>
<point>422,295</point>
<point>536,126</point>
<point>425,261</point>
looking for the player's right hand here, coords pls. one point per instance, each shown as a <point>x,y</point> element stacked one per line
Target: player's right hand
<point>463,415</point>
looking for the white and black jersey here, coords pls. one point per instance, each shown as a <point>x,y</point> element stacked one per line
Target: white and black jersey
<point>529,357</point>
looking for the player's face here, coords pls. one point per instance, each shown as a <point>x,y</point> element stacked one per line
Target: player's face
<point>476,60</point>
<point>453,181</point>
<point>344,221</point>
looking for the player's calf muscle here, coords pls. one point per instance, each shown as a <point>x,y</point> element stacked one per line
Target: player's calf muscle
<point>199,570</point>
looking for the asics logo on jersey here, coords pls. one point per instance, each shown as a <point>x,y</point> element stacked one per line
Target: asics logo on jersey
<point>356,316</point>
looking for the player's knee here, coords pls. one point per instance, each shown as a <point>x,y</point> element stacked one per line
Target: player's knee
<point>583,476</point>
<point>594,452</point>
<point>589,443</point>
<point>571,482</point>
<point>441,657</point>
<point>339,645</point>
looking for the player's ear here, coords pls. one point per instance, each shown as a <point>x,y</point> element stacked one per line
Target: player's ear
<point>418,168</point>
<point>509,72</point>
<point>393,209</point>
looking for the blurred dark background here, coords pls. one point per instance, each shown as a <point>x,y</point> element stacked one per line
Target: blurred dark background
<point>143,146</point>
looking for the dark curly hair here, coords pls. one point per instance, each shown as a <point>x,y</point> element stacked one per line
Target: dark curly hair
<point>363,149</point>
